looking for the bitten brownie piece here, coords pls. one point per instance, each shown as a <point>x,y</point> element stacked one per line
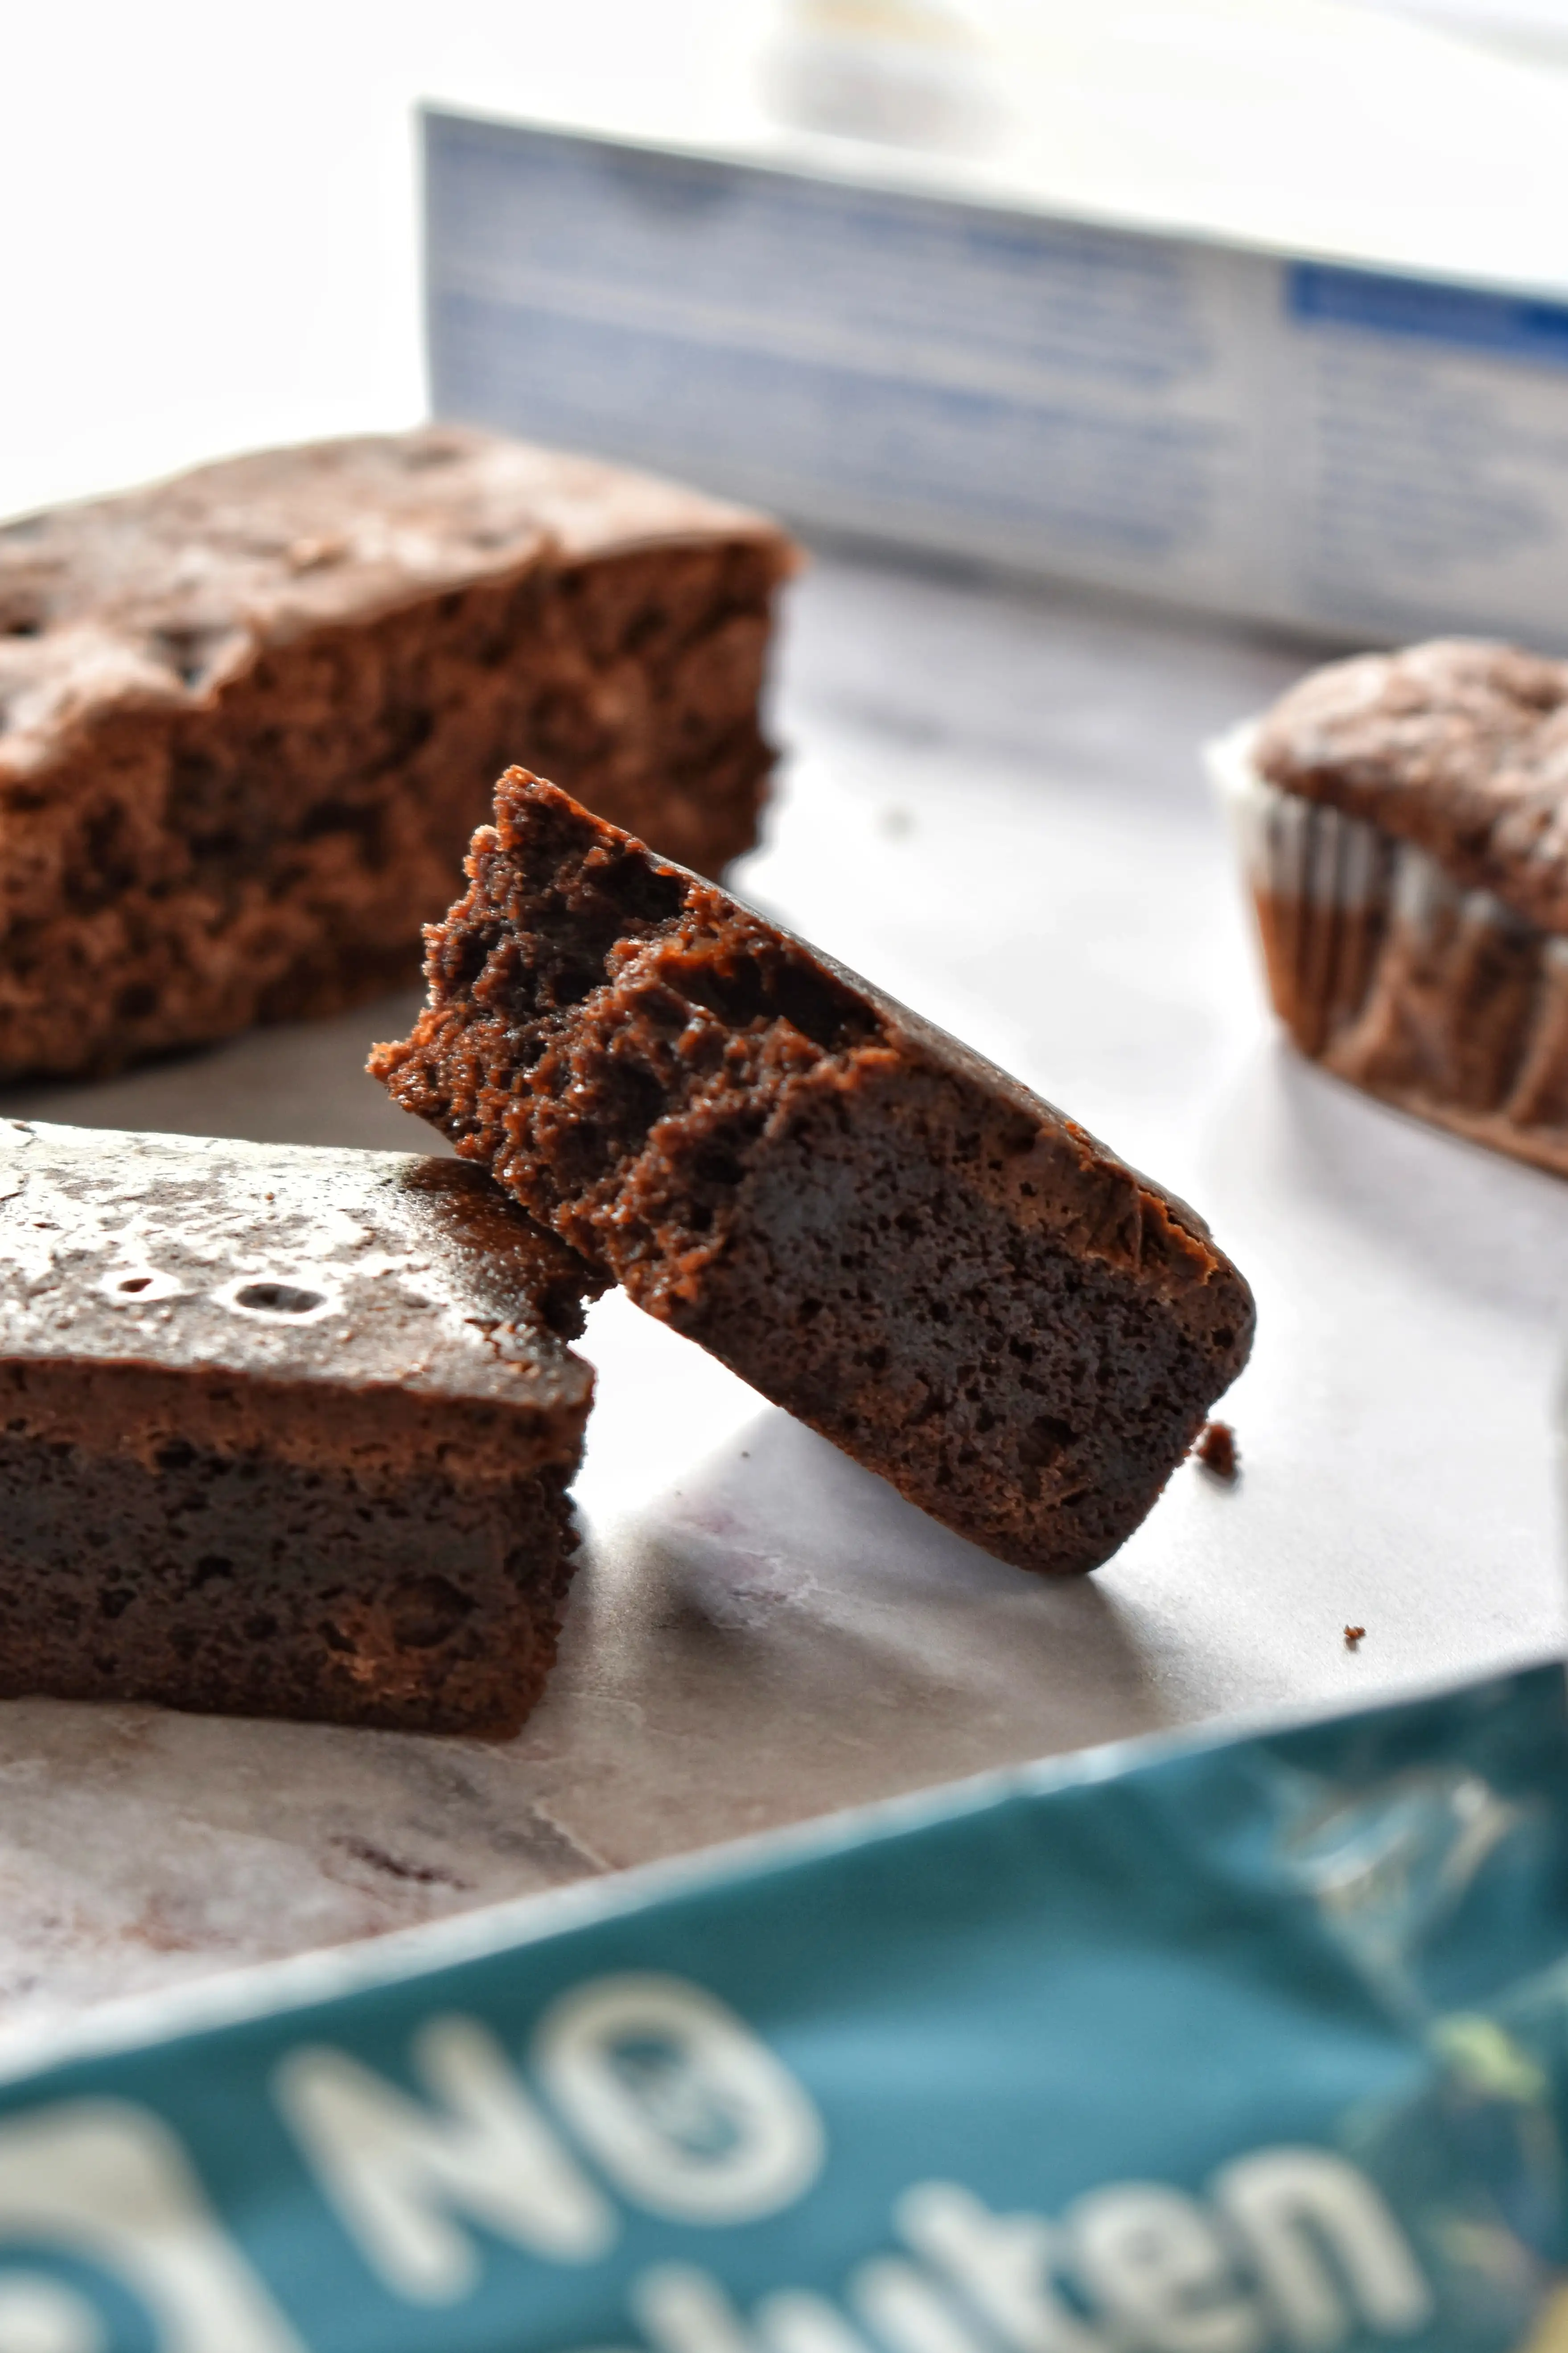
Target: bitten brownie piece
<point>877,1229</point>
<point>282,1432</point>
<point>250,718</point>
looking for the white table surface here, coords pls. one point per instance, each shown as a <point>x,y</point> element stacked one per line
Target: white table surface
<point>993,804</point>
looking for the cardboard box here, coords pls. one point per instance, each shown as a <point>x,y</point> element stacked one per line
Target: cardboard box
<point>1299,421</point>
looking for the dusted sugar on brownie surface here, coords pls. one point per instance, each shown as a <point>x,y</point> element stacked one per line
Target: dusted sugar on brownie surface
<point>1403,819</point>
<point>249,717</point>
<point>877,1228</point>
<point>282,1432</point>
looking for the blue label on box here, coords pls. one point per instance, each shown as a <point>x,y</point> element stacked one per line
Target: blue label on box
<point>1261,2048</point>
<point>885,362</point>
<point>1305,442</point>
<point>1467,317</point>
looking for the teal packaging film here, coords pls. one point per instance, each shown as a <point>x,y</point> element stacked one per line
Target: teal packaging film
<point>1220,2049</point>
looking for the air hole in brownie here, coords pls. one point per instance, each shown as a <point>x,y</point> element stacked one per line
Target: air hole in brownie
<point>633,1099</point>
<point>462,969</point>
<point>644,629</point>
<point>135,1003</point>
<point>717,1165</point>
<point>107,857</point>
<point>644,894</point>
<point>574,980</point>
<point>403,731</point>
<point>425,1610</point>
<point>211,1569</point>
<point>1045,1441</point>
<point>1224,1338</point>
<point>186,651</point>
<point>277,1299</point>
<point>744,989</point>
<point>337,816</point>
<point>734,991</point>
<point>816,1010</point>
<point>178,1455</point>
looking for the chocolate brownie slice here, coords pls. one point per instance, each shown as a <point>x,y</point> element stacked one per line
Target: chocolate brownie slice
<point>250,718</point>
<point>873,1226</point>
<point>282,1432</point>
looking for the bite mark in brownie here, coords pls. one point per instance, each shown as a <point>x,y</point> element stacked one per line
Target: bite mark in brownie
<point>282,1432</point>
<point>877,1229</point>
<point>249,717</point>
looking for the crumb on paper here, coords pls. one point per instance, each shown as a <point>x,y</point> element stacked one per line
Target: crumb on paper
<point>1355,1636</point>
<point>1215,1450</point>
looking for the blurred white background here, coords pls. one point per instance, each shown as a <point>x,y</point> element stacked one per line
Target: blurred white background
<point>212,214</point>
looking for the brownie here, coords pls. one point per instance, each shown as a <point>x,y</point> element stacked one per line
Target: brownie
<point>282,1432</point>
<point>874,1228</point>
<point>1459,747</point>
<point>1405,822</point>
<point>1217,1451</point>
<point>250,718</point>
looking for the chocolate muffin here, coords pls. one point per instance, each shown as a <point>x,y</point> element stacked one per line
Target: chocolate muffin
<point>250,718</point>
<point>282,1432</point>
<point>1403,819</point>
<point>874,1226</point>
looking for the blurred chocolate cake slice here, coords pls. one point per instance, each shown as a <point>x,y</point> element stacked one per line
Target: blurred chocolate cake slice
<point>249,717</point>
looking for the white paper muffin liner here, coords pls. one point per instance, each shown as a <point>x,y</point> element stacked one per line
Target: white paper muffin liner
<point>1383,968</point>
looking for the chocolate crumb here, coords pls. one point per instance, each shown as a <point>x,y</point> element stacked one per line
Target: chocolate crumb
<point>422,1874</point>
<point>1353,1635</point>
<point>1215,1450</point>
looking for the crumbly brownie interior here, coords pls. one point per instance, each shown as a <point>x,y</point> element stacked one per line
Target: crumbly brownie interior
<point>220,1577</point>
<point>880,1232</point>
<point>268,849</point>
